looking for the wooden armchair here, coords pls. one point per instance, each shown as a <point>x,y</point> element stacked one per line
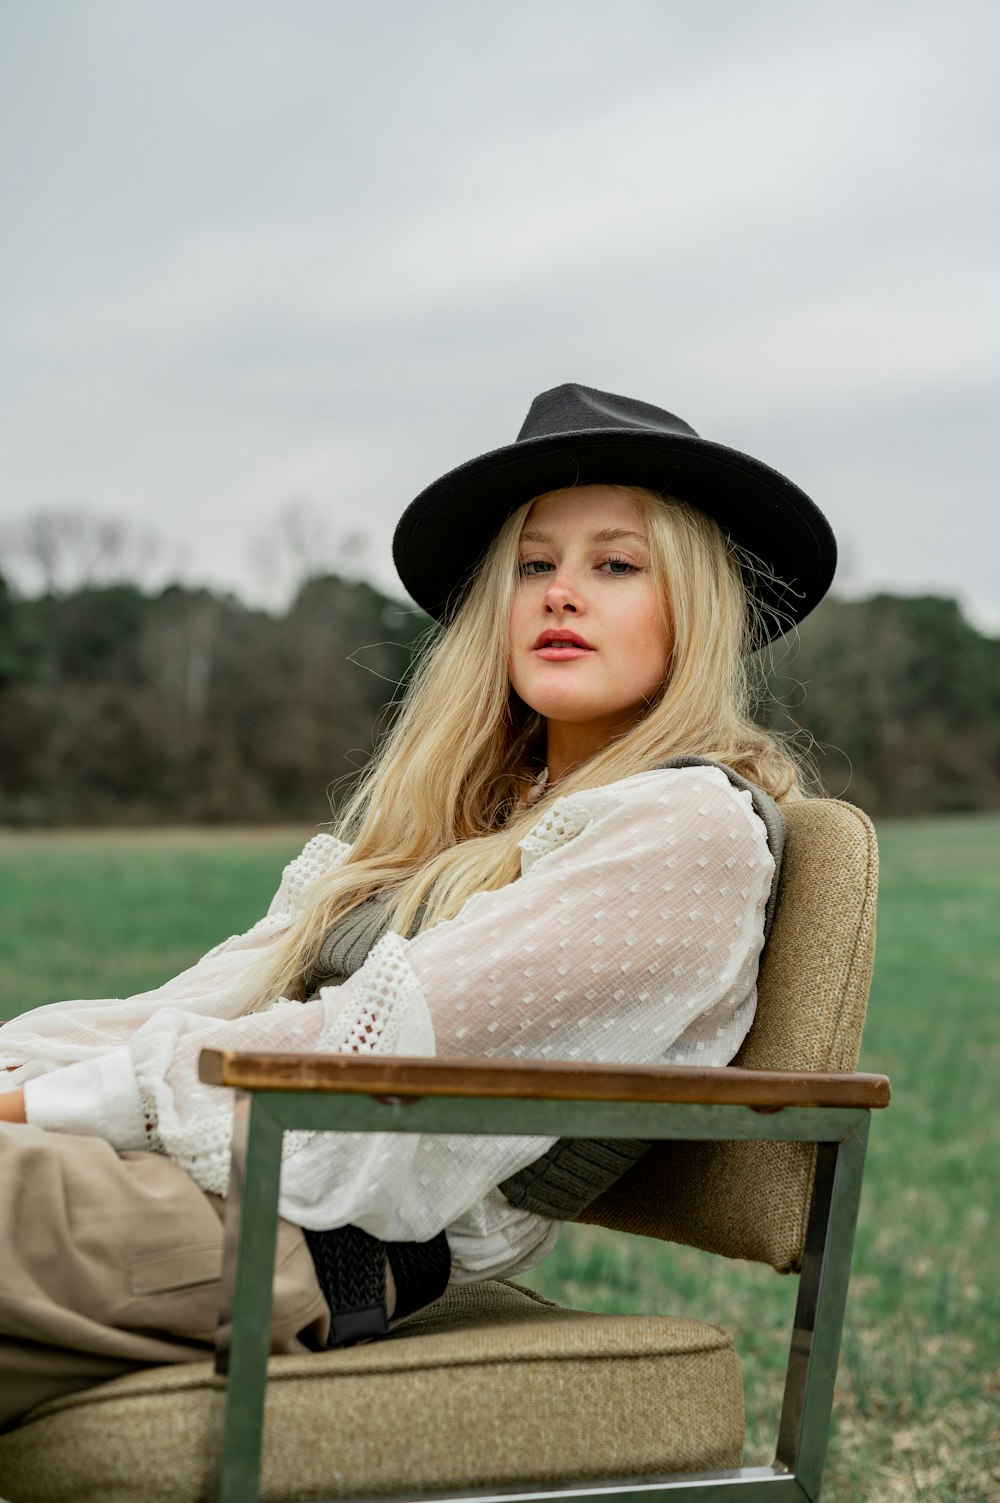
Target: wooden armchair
<point>493,1389</point>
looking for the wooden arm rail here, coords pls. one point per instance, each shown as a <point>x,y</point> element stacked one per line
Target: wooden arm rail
<point>766,1090</point>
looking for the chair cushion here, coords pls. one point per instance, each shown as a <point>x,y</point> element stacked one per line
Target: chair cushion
<point>491,1385</point>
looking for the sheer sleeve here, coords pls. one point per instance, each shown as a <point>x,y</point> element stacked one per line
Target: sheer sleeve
<point>633,935</point>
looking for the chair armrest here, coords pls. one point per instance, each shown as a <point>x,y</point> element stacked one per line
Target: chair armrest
<point>410,1079</point>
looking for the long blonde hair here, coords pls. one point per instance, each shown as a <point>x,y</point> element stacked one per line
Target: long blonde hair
<point>439,812</point>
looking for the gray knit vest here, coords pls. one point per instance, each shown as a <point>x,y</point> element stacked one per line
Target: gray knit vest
<point>564,1181</point>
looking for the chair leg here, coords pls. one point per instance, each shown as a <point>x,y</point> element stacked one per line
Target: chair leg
<point>819,1314</point>
<point>242,1347</point>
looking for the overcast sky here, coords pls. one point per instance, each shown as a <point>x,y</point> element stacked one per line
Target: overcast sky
<point>320,252</point>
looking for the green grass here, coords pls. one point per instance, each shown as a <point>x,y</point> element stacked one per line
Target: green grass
<point>108,915</point>
<point>919,1389</point>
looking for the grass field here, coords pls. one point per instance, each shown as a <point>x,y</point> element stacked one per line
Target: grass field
<point>919,1389</point>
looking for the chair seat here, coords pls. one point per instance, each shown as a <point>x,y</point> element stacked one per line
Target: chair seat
<point>491,1385</point>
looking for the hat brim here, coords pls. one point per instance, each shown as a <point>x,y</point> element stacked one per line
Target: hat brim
<point>445,532</point>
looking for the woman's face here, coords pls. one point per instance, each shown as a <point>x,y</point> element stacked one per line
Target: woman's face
<point>589,647</point>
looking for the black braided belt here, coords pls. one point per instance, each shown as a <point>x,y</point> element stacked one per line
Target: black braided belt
<point>350,1267</point>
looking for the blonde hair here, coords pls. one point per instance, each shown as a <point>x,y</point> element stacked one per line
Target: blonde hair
<point>439,812</point>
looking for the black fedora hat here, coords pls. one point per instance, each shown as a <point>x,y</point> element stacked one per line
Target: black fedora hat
<point>574,435</point>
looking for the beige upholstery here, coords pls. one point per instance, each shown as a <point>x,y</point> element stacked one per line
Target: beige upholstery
<point>493,1384</point>
<point>751,1200</point>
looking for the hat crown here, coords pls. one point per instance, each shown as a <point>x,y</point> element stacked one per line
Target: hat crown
<point>575,435</point>
<point>572,409</point>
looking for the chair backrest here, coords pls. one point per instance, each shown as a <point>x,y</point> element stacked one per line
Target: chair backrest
<point>751,1200</point>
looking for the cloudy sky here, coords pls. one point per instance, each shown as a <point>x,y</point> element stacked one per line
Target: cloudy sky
<point>315,253</point>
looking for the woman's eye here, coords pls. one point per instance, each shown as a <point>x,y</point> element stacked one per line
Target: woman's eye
<point>620,566</point>
<point>531,566</point>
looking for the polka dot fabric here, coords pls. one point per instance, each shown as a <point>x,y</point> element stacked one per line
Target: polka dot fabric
<point>633,935</point>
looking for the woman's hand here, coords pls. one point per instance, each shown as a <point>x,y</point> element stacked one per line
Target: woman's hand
<point>12,1106</point>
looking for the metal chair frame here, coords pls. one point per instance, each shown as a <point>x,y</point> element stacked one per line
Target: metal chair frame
<point>356,1103</point>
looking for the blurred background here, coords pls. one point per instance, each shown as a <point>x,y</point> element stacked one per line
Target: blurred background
<point>267,270</point>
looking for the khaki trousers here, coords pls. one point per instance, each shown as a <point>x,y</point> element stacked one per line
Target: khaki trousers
<point>109,1263</point>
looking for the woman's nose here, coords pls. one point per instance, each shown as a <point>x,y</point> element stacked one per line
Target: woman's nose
<point>562,595</point>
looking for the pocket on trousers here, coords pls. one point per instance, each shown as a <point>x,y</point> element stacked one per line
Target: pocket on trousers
<point>175,1292</point>
<point>181,1268</point>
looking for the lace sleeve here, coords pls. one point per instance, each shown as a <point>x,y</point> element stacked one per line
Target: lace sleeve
<point>633,935</point>
<point>320,855</point>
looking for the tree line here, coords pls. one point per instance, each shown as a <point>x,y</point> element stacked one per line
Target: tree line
<point>121,703</point>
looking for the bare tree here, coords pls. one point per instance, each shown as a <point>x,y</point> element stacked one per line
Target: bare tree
<point>302,543</point>
<point>62,549</point>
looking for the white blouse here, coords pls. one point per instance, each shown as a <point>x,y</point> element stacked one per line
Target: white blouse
<point>632,936</point>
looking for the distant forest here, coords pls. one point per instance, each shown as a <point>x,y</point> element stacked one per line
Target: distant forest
<point>121,704</point>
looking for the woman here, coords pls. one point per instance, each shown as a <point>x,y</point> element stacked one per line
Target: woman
<point>518,874</point>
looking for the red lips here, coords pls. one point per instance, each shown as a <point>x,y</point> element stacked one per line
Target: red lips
<point>555,635</point>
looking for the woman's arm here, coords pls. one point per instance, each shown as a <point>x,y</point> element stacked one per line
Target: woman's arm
<point>633,935</point>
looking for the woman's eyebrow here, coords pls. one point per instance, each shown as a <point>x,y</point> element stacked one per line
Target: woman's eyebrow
<point>614,534</point>
<point>605,535</point>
